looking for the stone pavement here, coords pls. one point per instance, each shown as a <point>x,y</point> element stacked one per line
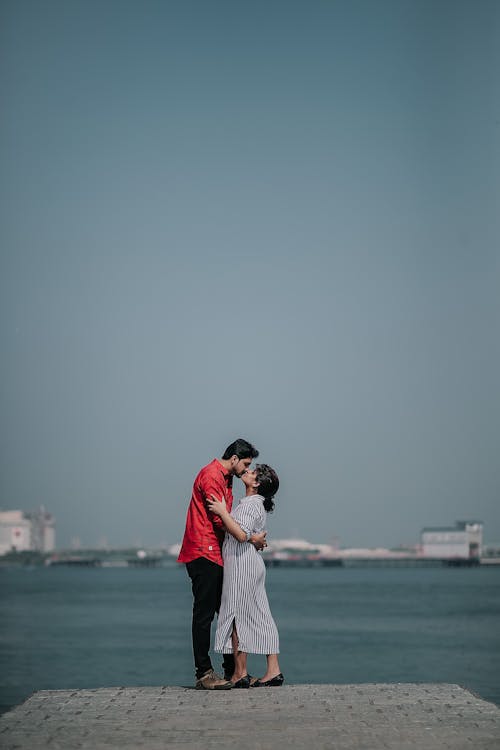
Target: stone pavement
<point>344,717</point>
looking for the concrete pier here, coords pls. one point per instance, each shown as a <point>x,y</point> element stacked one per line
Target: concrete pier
<point>344,717</point>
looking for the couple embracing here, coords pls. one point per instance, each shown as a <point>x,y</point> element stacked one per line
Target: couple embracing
<point>220,550</point>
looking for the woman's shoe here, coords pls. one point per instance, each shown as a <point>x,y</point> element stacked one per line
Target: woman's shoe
<point>273,682</point>
<point>243,682</point>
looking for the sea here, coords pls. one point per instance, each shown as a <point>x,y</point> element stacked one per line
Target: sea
<point>69,628</point>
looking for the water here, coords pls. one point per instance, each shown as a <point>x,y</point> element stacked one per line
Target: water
<point>81,628</point>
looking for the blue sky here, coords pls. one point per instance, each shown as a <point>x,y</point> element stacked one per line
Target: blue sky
<point>270,220</point>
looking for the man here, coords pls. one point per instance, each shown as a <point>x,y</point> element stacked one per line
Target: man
<point>201,551</point>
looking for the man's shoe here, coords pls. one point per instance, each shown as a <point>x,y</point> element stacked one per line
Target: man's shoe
<point>212,681</point>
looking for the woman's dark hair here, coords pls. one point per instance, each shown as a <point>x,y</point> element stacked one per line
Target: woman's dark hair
<point>268,485</point>
<point>241,448</point>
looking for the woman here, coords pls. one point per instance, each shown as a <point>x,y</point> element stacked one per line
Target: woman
<point>245,623</point>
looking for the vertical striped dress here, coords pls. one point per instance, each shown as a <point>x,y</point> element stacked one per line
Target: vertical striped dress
<point>244,598</point>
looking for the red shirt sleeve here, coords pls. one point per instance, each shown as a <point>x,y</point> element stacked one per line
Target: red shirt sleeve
<point>214,484</point>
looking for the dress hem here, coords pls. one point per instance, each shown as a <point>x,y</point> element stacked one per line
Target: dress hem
<point>259,653</point>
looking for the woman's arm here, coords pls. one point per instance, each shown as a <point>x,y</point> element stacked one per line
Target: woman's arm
<point>218,508</point>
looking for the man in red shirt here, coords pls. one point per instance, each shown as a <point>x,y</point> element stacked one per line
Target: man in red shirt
<point>201,551</point>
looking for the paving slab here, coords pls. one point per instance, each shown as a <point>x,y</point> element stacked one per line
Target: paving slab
<point>345,717</point>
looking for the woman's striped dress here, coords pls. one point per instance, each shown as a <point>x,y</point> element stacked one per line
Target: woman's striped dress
<point>244,598</point>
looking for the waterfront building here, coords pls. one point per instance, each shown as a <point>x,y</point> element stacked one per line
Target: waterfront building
<point>462,541</point>
<point>26,531</point>
<point>299,547</point>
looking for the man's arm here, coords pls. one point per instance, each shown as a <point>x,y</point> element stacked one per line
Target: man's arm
<point>259,540</point>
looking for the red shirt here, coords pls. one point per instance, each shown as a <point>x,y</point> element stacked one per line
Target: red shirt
<point>204,532</point>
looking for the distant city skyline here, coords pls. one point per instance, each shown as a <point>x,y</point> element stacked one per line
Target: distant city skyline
<point>273,220</point>
<point>103,542</point>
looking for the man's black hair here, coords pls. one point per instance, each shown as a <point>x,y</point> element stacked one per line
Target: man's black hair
<point>241,448</point>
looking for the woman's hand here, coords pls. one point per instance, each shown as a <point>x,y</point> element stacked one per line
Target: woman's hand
<point>217,507</point>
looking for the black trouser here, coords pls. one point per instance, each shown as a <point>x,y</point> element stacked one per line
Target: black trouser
<point>206,581</point>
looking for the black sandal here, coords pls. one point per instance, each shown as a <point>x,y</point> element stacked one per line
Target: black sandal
<point>273,682</point>
<point>243,682</point>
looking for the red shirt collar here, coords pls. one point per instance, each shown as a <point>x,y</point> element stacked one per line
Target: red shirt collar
<point>227,474</point>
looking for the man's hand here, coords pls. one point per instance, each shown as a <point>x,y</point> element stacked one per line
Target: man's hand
<point>259,540</point>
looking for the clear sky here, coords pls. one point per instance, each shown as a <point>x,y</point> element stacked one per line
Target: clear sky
<point>271,220</point>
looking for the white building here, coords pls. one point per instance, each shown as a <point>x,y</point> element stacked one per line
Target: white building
<point>464,540</point>
<point>23,531</point>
